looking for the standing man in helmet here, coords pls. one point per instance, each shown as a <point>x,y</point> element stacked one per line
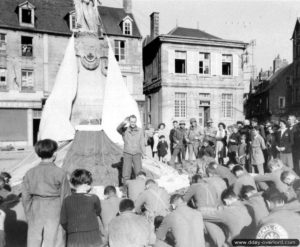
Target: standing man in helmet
<point>195,137</point>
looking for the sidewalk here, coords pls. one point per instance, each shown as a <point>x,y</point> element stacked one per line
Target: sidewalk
<point>9,159</point>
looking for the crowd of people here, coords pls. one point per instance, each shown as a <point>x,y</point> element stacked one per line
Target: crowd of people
<point>246,143</point>
<point>243,187</point>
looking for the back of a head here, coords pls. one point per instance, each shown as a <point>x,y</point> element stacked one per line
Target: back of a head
<point>141,174</point>
<point>80,177</point>
<point>211,169</point>
<point>150,182</point>
<point>46,148</point>
<point>196,178</point>
<point>237,170</point>
<point>275,164</point>
<point>228,194</point>
<point>110,190</point>
<point>284,175</point>
<point>246,189</point>
<point>126,205</point>
<point>176,198</point>
<point>274,196</point>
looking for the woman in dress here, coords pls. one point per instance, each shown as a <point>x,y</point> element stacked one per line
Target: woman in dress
<point>221,138</point>
<point>257,145</point>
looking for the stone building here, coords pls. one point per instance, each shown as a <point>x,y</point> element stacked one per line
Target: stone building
<point>189,73</point>
<point>33,38</point>
<point>278,95</point>
<point>271,99</point>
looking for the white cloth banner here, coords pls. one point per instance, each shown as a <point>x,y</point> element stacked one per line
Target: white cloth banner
<point>55,123</point>
<point>118,103</point>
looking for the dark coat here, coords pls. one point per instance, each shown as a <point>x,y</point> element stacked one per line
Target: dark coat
<point>162,148</point>
<point>285,140</point>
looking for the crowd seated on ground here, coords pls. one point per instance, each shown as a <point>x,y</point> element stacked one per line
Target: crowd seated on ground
<point>241,190</point>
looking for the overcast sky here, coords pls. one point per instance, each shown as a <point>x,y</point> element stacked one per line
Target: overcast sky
<point>270,23</point>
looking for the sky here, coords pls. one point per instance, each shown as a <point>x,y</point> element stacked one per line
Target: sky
<point>269,22</point>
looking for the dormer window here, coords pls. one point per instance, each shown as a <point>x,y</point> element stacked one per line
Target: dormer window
<point>72,21</point>
<point>26,14</point>
<point>127,26</point>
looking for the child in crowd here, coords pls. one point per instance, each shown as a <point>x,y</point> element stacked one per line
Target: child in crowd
<point>242,151</point>
<point>80,211</point>
<point>233,143</point>
<point>162,149</point>
<point>206,150</point>
<point>44,188</point>
<point>156,140</point>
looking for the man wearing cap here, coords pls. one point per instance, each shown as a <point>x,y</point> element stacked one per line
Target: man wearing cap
<point>195,136</point>
<point>172,131</point>
<point>179,138</point>
<point>210,132</point>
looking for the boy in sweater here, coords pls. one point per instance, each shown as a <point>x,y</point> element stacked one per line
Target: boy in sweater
<point>44,188</point>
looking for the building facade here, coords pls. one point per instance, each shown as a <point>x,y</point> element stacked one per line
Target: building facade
<point>192,74</point>
<point>33,38</point>
<point>278,95</point>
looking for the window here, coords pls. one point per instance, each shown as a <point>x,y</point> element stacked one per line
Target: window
<point>149,104</point>
<point>204,63</point>
<point>281,102</point>
<point>72,21</point>
<point>27,80</point>
<point>3,82</point>
<point>120,50</point>
<point>180,62</point>
<point>227,105</point>
<point>26,14</point>
<point>180,105</point>
<point>204,95</point>
<point>127,27</point>
<point>26,46</point>
<point>2,43</point>
<point>226,64</point>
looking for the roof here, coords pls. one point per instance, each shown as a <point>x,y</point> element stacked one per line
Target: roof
<point>51,16</point>
<point>296,25</point>
<point>112,18</point>
<point>190,32</point>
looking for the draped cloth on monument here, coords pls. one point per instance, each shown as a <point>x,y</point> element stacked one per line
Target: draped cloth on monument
<point>94,151</point>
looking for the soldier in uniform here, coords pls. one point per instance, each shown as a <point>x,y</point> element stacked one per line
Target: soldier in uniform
<point>243,178</point>
<point>210,132</point>
<point>136,186</point>
<point>179,138</point>
<point>185,223</point>
<point>129,229</point>
<point>233,215</point>
<point>280,223</point>
<point>154,200</point>
<point>195,136</point>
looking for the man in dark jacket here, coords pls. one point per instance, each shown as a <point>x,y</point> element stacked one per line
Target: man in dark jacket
<point>295,130</point>
<point>172,142</point>
<point>284,143</point>
<point>179,138</point>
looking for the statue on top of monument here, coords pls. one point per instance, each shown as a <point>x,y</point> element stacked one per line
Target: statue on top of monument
<point>88,19</point>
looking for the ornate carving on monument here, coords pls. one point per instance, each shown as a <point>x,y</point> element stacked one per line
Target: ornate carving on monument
<point>88,48</point>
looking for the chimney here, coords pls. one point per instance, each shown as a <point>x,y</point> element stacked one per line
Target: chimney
<point>127,6</point>
<point>277,63</point>
<point>154,25</point>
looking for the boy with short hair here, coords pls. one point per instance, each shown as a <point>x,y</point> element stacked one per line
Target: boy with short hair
<point>162,149</point>
<point>44,188</point>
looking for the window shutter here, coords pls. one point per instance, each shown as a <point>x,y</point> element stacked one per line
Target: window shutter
<point>216,64</point>
<point>171,61</point>
<point>192,62</point>
<point>235,61</point>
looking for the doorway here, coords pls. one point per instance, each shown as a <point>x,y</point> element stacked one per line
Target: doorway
<point>36,125</point>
